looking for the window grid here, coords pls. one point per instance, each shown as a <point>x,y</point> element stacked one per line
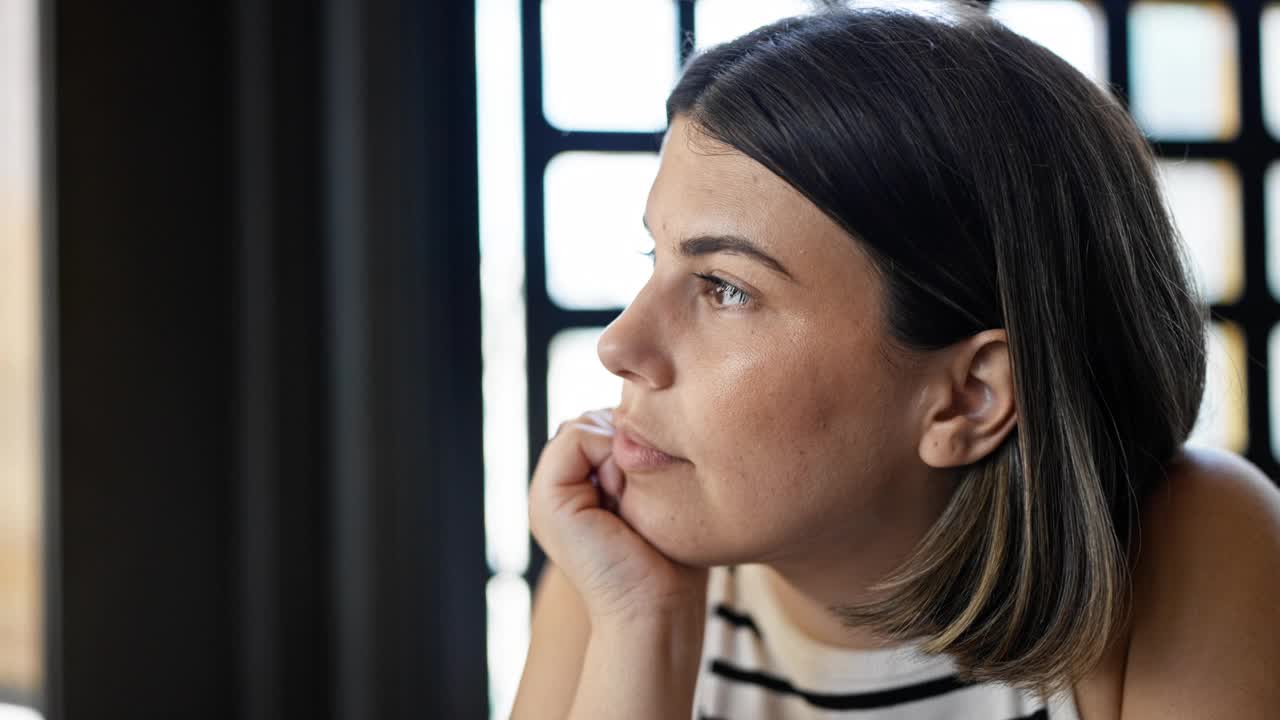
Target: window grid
<point>1255,312</point>
<point>542,142</point>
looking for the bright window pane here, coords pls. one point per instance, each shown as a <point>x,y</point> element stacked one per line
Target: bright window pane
<point>1205,198</point>
<point>502,302</point>
<point>17,712</point>
<point>1273,381</point>
<point>20,416</point>
<point>608,65</point>
<point>509,602</point>
<point>1184,70</point>
<point>719,21</point>
<point>1223,420</point>
<point>1271,68</point>
<point>499,113</point>
<point>576,381</point>
<point>1076,31</point>
<point>594,227</point>
<point>1272,212</point>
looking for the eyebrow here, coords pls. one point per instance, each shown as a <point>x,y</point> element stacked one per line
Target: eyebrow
<point>704,244</point>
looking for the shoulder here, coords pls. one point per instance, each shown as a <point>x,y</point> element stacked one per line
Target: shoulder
<point>1205,637</point>
<point>1209,495</point>
<point>1212,504</point>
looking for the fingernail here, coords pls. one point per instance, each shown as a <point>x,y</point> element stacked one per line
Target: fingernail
<point>603,418</point>
<point>594,429</point>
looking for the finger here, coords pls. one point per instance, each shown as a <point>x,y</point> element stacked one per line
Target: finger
<point>572,454</point>
<point>611,479</point>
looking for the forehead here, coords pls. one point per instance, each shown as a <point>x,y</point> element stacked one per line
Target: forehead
<point>705,186</point>
<point>702,180</point>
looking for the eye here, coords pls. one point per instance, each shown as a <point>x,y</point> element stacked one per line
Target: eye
<point>652,254</point>
<point>724,294</point>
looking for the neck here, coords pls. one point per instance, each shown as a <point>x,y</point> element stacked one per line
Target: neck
<point>841,571</point>
<point>804,605</point>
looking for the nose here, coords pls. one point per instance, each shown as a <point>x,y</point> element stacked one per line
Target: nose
<point>633,346</point>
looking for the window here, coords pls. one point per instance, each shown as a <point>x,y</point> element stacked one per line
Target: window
<point>1202,113</point>
<point>570,123</point>
<point>20,375</point>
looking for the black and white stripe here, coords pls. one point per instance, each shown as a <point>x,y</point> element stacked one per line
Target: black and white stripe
<point>842,701</point>
<point>737,619</point>
<point>867,700</point>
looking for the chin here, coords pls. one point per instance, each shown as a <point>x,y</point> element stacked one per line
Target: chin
<point>682,536</point>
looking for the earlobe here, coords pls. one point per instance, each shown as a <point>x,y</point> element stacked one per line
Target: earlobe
<point>972,405</point>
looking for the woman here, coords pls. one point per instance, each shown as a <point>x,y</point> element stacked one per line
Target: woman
<point>904,408</point>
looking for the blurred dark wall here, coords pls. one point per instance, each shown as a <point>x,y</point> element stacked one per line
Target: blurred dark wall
<point>263,331</point>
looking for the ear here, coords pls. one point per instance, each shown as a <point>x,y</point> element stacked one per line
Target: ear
<point>968,402</point>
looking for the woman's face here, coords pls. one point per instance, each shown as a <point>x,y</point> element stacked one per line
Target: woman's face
<point>773,389</point>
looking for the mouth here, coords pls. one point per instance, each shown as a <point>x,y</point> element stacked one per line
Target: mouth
<point>633,453</point>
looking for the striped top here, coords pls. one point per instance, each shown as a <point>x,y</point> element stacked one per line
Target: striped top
<point>756,665</point>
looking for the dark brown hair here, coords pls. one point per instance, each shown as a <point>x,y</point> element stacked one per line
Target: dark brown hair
<point>993,186</point>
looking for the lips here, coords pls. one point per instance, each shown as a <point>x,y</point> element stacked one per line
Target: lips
<point>634,453</point>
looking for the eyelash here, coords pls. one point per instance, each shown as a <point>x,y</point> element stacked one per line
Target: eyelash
<point>720,286</point>
<point>714,283</point>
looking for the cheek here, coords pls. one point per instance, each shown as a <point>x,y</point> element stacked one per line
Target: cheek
<point>790,426</point>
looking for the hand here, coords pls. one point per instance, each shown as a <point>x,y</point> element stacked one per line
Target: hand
<point>574,501</point>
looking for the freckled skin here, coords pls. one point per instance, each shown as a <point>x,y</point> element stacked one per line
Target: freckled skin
<point>801,437</point>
